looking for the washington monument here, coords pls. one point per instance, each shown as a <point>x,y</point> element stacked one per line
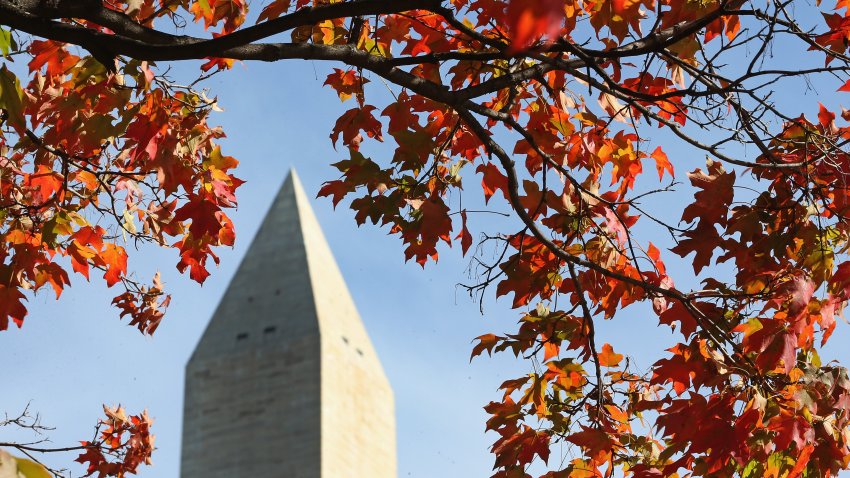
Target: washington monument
<point>284,382</point>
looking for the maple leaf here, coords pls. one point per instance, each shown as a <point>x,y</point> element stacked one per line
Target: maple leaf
<point>44,182</point>
<point>714,196</point>
<point>521,448</point>
<point>839,283</point>
<point>91,456</point>
<point>352,122</point>
<point>710,208</point>
<point>596,443</point>
<point>528,20</point>
<point>193,256</point>
<point>773,344</point>
<point>679,313</point>
<point>485,342</point>
<point>347,83</point>
<point>662,163</point>
<point>801,291</point>
<point>115,258</point>
<point>85,150</point>
<point>607,357</point>
<point>791,428</point>
<point>54,55</point>
<point>273,10</point>
<point>674,370</point>
<point>464,236</point>
<point>493,180</point>
<point>204,215</point>
<point>826,118</point>
<point>336,189</point>
<point>11,98</point>
<point>801,461</point>
<point>702,240</point>
<point>536,394</point>
<point>11,306</point>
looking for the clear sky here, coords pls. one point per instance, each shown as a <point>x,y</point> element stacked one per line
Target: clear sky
<point>73,355</point>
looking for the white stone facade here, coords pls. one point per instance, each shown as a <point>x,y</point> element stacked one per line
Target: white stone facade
<point>285,381</point>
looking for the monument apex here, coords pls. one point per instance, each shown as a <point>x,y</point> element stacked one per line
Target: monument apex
<point>284,381</point>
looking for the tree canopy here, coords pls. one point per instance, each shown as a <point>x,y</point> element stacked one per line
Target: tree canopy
<point>554,107</point>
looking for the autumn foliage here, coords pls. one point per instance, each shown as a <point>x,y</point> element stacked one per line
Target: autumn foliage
<point>577,117</point>
<point>123,443</point>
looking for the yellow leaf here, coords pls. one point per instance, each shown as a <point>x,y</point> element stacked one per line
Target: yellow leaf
<point>31,469</point>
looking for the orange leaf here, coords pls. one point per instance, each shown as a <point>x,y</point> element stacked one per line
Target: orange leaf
<point>607,357</point>
<point>115,258</point>
<point>45,183</point>
<point>485,342</point>
<point>662,163</point>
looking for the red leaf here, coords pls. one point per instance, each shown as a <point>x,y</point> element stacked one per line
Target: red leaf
<point>352,122</point>
<point>595,442</point>
<point>464,236</point>
<point>528,20</point>
<point>204,215</point>
<point>273,10</point>
<point>675,370</point>
<point>772,343</point>
<point>679,313</point>
<point>791,428</point>
<point>521,448</point>
<point>826,117</point>
<point>11,306</point>
<point>801,291</point>
<point>492,181</point>
<point>337,189</point>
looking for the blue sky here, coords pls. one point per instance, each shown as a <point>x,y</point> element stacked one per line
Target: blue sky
<point>73,355</point>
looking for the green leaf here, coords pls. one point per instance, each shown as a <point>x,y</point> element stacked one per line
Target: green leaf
<point>58,225</point>
<point>7,43</point>
<point>11,97</point>
<point>31,469</point>
<point>753,469</point>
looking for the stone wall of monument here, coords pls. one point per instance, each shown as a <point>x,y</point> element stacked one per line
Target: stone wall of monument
<point>285,382</point>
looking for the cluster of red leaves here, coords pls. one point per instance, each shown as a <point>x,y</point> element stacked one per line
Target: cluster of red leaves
<point>123,444</point>
<point>742,392</point>
<point>83,143</point>
<point>790,415</point>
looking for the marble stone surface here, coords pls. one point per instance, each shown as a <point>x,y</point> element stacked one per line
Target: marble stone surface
<point>284,381</point>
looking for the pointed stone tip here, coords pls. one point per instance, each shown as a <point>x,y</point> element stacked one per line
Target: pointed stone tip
<point>292,181</point>
<point>293,173</point>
